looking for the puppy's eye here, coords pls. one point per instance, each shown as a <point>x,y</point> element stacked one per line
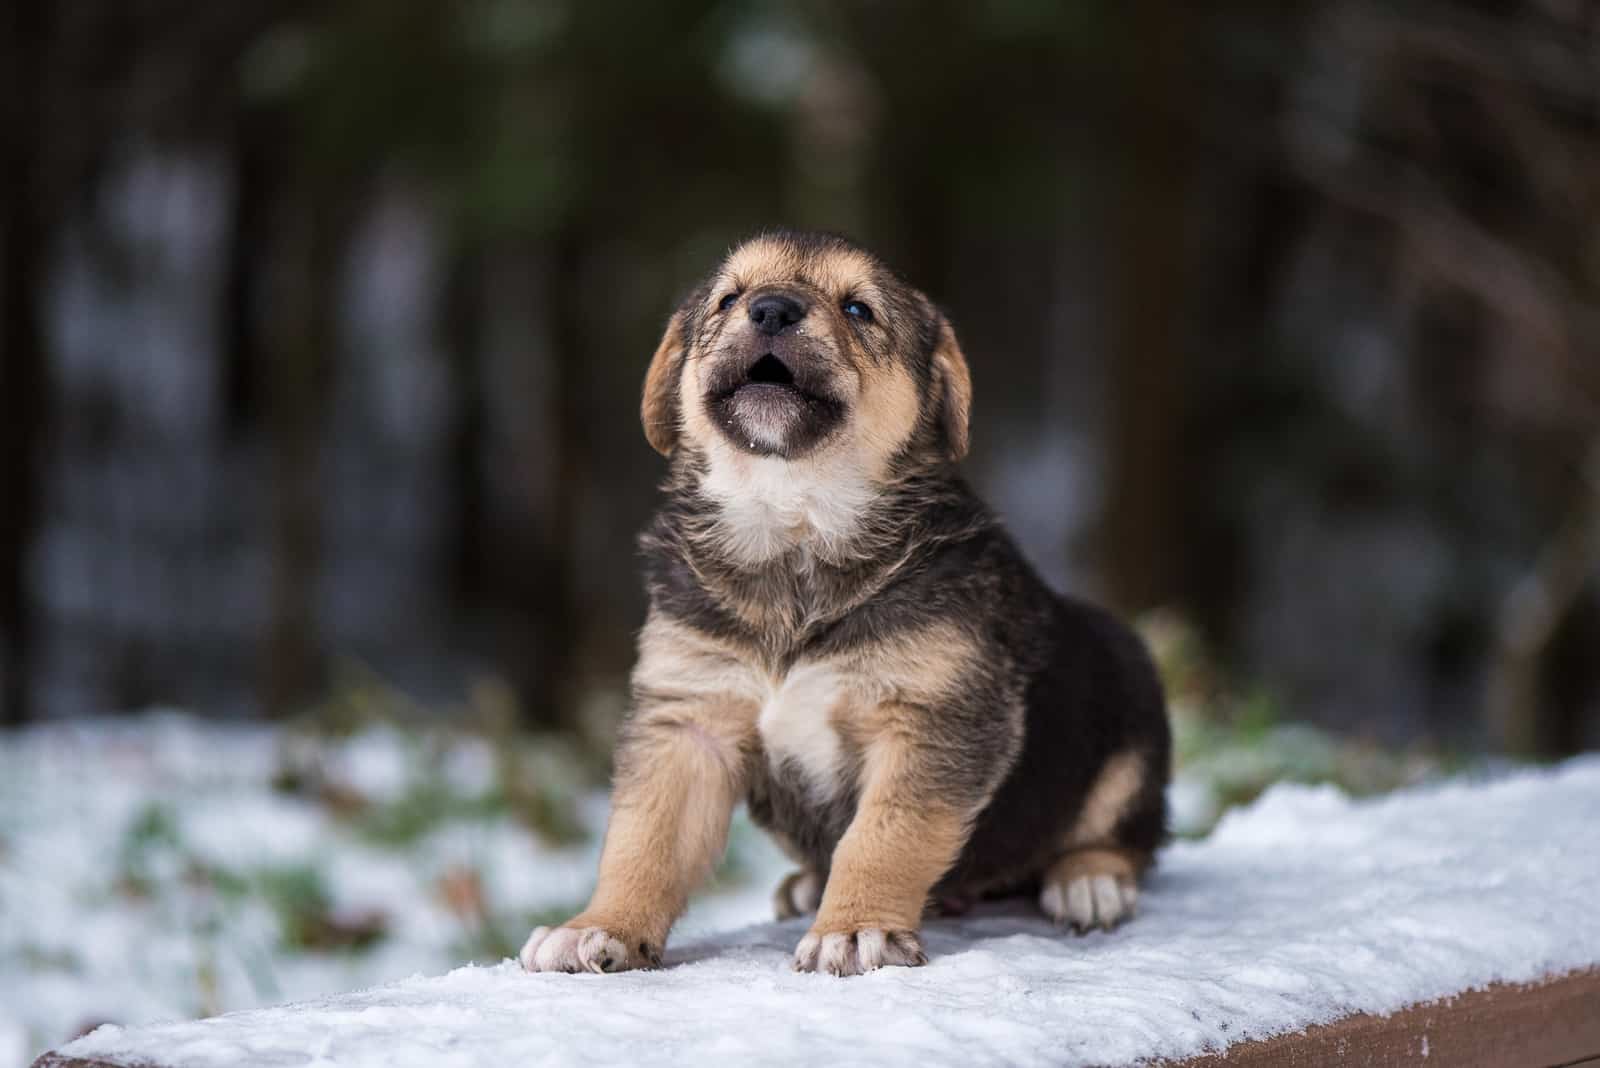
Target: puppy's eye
<point>727,302</point>
<point>857,310</point>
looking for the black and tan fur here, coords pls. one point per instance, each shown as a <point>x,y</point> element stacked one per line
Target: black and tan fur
<point>842,635</point>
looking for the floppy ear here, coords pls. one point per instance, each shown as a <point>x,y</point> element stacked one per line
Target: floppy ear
<point>952,384</point>
<point>659,409</point>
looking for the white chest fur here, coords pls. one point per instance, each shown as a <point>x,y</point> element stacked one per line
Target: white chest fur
<point>797,725</point>
<point>768,506</point>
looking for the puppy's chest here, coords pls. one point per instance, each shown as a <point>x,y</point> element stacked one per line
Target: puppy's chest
<point>804,723</point>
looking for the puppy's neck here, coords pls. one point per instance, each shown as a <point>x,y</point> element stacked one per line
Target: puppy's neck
<point>766,509</point>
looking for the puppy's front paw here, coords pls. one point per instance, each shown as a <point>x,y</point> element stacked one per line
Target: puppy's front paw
<point>855,952</point>
<point>575,947</point>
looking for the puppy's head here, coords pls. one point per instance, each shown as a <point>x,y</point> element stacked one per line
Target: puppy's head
<point>805,348</point>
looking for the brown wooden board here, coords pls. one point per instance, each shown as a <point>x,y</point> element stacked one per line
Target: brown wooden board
<point>1540,1025</point>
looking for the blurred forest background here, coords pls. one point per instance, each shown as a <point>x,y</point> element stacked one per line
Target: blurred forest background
<point>324,325</point>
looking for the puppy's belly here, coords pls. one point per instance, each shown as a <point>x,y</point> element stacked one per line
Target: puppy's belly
<point>807,827</point>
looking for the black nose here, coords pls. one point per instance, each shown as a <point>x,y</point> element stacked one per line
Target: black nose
<point>776,312</point>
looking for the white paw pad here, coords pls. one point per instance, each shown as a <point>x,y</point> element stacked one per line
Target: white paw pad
<point>582,949</point>
<point>846,953</point>
<point>798,895</point>
<point>1089,901</point>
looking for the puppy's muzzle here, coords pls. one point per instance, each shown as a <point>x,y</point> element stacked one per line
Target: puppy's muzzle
<point>777,397</point>
<point>773,365</point>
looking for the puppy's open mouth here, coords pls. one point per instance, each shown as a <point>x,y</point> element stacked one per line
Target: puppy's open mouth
<point>772,380</point>
<point>774,405</point>
<point>769,371</point>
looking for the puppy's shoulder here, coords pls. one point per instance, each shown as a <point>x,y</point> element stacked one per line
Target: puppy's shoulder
<point>674,583</point>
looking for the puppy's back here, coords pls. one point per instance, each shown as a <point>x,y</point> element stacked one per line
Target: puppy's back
<point>1095,757</point>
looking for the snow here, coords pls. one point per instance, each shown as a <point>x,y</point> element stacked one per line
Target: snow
<point>78,947</point>
<point>1304,907</point>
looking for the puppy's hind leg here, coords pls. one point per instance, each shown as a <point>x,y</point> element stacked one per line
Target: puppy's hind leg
<point>1092,888</point>
<point>1094,882</point>
<point>799,894</point>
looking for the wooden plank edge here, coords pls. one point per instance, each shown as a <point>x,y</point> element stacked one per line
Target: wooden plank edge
<point>1537,1025</point>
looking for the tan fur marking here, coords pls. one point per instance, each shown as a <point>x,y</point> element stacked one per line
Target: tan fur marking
<point>681,770</point>
<point>1086,863</point>
<point>918,667</point>
<point>897,847</point>
<point>905,676</point>
<point>955,384</point>
<point>888,410</point>
<point>682,765</point>
<point>696,425</point>
<point>839,274</point>
<point>1113,791</point>
<point>677,661</point>
<point>656,407</point>
<point>765,261</point>
<point>760,261</point>
<point>885,687</point>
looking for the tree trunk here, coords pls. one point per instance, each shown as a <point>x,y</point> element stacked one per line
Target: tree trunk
<point>249,237</point>
<point>24,363</point>
<point>553,701</point>
<point>462,333</point>
<point>302,349</point>
<point>1143,536</point>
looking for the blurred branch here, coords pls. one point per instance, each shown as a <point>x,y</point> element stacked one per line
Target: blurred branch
<point>1510,52</point>
<point>1561,166</point>
<point>1526,75</point>
<point>1515,284</point>
<point>1523,287</point>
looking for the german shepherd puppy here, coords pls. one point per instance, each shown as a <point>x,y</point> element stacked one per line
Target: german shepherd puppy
<point>841,634</point>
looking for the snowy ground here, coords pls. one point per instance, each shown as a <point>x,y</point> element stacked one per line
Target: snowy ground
<point>1303,907</point>
<point>164,868</point>
<point>160,868</point>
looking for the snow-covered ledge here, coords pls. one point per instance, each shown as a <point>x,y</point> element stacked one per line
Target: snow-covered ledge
<point>1305,909</point>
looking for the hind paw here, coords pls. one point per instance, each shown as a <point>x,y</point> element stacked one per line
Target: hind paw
<point>799,894</point>
<point>1091,889</point>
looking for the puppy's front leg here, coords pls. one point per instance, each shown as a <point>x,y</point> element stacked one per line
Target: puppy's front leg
<point>903,838</point>
<point>680,769</point>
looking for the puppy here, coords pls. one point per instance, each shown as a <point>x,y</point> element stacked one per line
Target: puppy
<point>841,634</point>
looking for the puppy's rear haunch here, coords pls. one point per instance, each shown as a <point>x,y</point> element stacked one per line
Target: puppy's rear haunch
<point>841,634</point>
